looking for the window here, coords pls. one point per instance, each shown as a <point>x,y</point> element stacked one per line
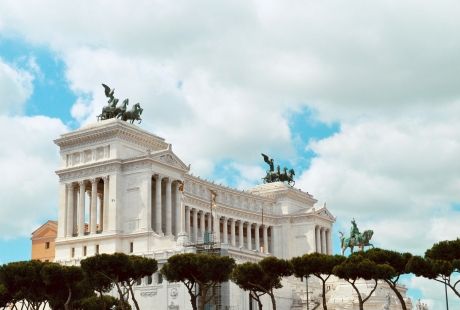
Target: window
<point>160,278</point>
<point>139,281</point>
<point>97,249</point>
<point>131,247</point>
<point>149,280</point>
<point>72,252</point>
<point>47,245</point>
<point>84,250</point>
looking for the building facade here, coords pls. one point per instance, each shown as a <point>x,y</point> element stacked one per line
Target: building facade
<point>120,191</point>
<point>43,242</point>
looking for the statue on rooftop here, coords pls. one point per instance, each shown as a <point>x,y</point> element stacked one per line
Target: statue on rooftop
<point>113,110</point>
<point>277,176</point>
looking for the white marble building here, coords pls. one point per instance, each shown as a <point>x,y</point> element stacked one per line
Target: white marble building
<point>119,192</point>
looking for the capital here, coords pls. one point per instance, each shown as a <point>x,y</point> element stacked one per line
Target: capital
<point>94,180</point>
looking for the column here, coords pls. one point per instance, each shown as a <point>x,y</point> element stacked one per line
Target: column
<point>101,210</point>
<point>69,213</point>
<point>209,222</point>
<point>318,240</point>
<point>241,234</point>
<point>105,204</point>
<point>195,225</point>
<point>265,239</point>
<point>329,240</point>
<point>81,209</point>
<point>168,208</point>
<point>225,232</point>
<point>232,232</point>
<point>158,228</point>
<point>93,206</point>
<point>323,240</point>
<point>256,232</point>
<point>187,220</point>
<point>178,209</point>
<point>216,227</point>
<point>249,235</point>
<point>202,223</point>
<point>148,203</point>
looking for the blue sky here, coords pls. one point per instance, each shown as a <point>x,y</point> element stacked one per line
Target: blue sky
<point>362,101</point>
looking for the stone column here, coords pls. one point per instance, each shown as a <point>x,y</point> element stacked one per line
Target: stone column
<point>202,223</point>
<point>216,227</point>
<point>69,217</point>
<point>195,225</point>
<point>241,234</point>
<point>256,232</point>
<point>249,235</point>
<point>323,240</point>
<point>148,203</point>
<point>187,220</point>
<point>168,208</point>
<point>158,228</point>
<point>101,210</point>
<point>265,239</point>
<point>105,204</point>
<point>328,242</point>
<point>178,209</point>
<point>81,209</point>
<point>232,232</point>
<point>93,206</point>
<point>318,239</point>
<point>225,231</point>
<point>209,222</point>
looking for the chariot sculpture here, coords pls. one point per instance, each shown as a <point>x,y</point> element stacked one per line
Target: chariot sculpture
<point>356,238</point>
<point>113,110</point>
<point>278,176</point>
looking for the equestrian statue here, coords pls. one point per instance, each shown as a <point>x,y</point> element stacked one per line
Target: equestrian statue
<point>113,110</point>
<point>356,238</point>
<point>277,176</point>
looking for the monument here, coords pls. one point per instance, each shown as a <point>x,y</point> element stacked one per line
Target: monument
<point>123,189</point>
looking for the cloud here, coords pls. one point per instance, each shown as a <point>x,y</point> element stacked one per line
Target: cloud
<point>392,176</point>
<point>29,158</point>
<point>433,293</point>
<point>15,88</point>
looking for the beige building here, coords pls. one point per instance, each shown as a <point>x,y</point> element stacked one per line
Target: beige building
<point>43,242</point>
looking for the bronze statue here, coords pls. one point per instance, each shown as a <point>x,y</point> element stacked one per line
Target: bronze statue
<point>112,110</point>
<point>277,176</point>
<point>356,238</point>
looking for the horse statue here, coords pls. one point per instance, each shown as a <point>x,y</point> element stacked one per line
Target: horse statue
<point>360,241</point>
<point>134,114</point>
<point>287,176</point>
<point>277,176</point>
<point>119,110</point>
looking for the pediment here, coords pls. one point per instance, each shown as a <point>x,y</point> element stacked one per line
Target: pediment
<point>49,229</point>
<point>325,213</point>
<point>167,157</point>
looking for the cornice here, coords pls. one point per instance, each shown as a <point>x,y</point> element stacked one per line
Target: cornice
<point>100,168</point>
<point>104,130</point>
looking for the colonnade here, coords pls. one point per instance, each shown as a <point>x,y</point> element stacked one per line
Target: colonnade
<point>323,240</point>
<point>234,232</point>
<point>77,212</point>
<point>165,207</point>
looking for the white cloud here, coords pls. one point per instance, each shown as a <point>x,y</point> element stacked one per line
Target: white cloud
<point>433,293</point>
<point>28,158</point>
<point>15,88</point>
<point>393,176</point>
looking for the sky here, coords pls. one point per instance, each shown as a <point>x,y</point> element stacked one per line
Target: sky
<point>361,98</point>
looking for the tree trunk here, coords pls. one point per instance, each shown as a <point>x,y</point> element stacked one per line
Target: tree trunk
<point>202,301</point>
<point>133,298</point>
<point>272,297</point>
<point>360,299</point>
<point>69,296</point>
<point>398,294</point>
<point>121,302</point>
<point>324,294</point>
